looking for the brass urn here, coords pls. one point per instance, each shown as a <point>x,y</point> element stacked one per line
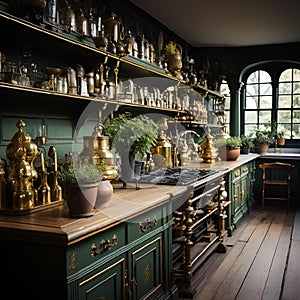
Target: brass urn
<point>174,59</point>
<point>162,151</point>
<point>96,150</point>
<point>21,153</point>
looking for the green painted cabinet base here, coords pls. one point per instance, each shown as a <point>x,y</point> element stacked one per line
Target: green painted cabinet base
<point>240,193</point>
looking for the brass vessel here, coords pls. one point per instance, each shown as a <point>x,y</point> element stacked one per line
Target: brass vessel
<point>113,28</point>
<point>162,151</point>
<point>207,151</point>
<point>21,153</point>
<point>96,150</point>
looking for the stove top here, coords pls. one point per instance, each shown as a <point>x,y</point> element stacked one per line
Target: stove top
<point>176,176</point>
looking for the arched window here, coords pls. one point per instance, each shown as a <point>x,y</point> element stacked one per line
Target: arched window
<point>258,101</point>
<point>272,98</point>
<point>224,89</point>
<point>288,111</point>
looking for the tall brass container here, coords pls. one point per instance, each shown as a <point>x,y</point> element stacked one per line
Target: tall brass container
<point>162,152</point>
<point>21,153</point>
<point>96,150</point>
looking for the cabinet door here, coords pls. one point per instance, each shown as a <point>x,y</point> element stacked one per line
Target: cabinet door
<point>146,269</point>
<point>107,282</point>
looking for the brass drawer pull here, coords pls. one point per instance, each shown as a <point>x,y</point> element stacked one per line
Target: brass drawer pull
<point>148,224</point>
<point>104,245</point>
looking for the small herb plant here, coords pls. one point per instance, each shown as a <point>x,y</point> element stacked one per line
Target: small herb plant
<point>171,48</point>
<point>79,172</point>
<point>229,143</point>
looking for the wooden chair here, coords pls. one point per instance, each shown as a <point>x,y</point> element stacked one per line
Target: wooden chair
<point>276,182</point>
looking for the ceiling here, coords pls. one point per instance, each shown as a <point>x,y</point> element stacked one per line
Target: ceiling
<point>230,23</point>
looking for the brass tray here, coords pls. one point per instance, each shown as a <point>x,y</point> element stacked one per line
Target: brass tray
<point>22,212</point>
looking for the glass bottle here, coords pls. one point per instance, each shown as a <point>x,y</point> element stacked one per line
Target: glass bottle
<point>82,23</point>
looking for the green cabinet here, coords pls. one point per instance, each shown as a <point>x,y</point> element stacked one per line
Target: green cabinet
<point>240,192</point>
<point>129,260</point>
<point>105,282</point>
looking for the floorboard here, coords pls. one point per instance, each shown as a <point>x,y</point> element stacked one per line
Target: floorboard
<point>261,261</point>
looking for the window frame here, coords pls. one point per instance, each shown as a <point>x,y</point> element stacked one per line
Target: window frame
<point>274,69</point>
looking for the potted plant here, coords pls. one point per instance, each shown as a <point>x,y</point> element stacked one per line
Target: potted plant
<point>173,53</point>
<point>280,138</point>
<point>80,182</point>
<point>228,147</point>
<point>262,138</point>
<point>247,144</point>
<point>130,136</point>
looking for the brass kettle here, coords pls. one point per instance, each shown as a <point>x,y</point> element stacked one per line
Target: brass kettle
<point>96,150</point>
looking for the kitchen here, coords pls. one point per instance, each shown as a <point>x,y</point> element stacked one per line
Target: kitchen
<point>55,113</point>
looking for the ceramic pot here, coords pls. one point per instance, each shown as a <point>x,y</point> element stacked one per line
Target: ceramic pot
<point>229,154</point>
<point>245,150</point>
<point>81,199</point>
<point>262,148</point>
<point>280,141</point>
<point>105,191</point>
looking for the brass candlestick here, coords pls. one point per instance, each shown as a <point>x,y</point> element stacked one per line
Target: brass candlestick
<point>56,190</point>
<point>44,195</point>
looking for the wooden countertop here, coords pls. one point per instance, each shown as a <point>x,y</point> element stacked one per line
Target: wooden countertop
<point>225,166</point>
<point>54,224</point>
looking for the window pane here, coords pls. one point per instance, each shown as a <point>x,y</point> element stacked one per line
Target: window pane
<point>249,129</point>
<point>252,102</point>
<point>284,101</point>
<point>264,77</point>
<point>296,101</point>
<point>286,75</point>
<point>266,102</point>
<point>252,90</point>
<point>284,116</point>
<point>251,117</point>
<point>296,131</point>
<point>266,89</point>
<point>224,89</point>
<point>296,116</point>
<point>296,75</point>
<point>285,88</point>
<point>265,116</point>
<point>296,88</point>
<point>253,78</point>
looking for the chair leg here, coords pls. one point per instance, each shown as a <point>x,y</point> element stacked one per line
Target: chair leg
<point>263,198</point>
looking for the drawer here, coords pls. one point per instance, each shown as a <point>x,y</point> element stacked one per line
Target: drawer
<point>240,171</point>
<point>145,223</point>
<point>94,248</point>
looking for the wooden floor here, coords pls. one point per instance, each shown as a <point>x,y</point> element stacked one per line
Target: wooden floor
<point>262,260</point>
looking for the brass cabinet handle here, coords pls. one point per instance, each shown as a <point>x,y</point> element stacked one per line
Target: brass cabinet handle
<point>104,245</point>
<point>148,224</point>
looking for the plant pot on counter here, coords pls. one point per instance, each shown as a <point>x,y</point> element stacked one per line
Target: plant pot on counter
<point>81,198</point>
<point>105,191</point>
<point>229,154</point>
<point>262,148</point>
<point>281,141</point>
<point>245,149</point>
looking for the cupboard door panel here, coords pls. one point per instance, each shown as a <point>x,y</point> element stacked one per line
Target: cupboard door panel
<point>147,275</point>
<point>107,282</point>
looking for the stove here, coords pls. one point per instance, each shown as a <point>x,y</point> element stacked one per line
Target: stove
<point>176,176</point>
